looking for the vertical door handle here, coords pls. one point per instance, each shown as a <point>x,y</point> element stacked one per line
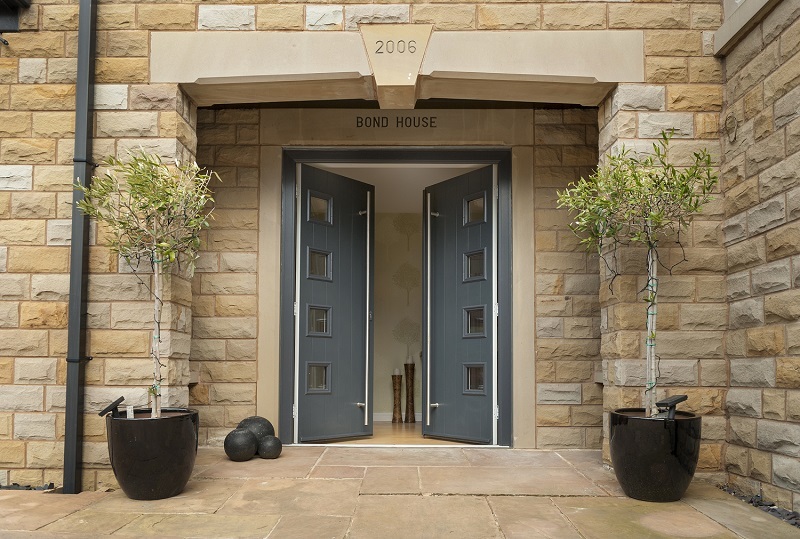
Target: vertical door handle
<point>428,213</point>
<point>369,315</point>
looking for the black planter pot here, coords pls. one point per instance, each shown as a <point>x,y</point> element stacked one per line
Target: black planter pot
<point>654,458</point>
<point>153,458</point>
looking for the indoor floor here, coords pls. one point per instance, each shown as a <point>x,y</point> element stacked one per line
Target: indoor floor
<point>376,493</point>
<point>387,433</point>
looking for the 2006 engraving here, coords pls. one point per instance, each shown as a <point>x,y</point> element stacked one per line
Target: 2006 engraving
<point>400,46</point>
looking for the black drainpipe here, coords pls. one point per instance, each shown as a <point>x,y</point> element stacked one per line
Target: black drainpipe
<point>76,336</point>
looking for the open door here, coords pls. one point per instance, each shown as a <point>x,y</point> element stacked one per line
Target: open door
<point>459,328</point>
<point>333,326</point>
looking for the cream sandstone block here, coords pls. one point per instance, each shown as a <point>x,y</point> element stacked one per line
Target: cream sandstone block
<point>48,259</point>
<point>445,16</point>
<point>648,16</point>
<point>117,17</point>
<point>589,16</point>
<point>21,151</point>
<point>43,97</point>
<point>166,17</point>
<point>121,70</point>
<point>37,45</point>
<point>60,17</point>
<point>280,17</point>
<point>43,314</point>
<point>22,232</point>
<point>509,17</point>
<point>15,124</point>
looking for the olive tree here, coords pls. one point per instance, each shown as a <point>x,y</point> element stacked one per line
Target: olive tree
<point>640,200</point>
<point>153,213</point>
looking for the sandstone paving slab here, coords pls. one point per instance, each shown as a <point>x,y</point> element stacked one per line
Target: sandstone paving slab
<point>32,509</point>
<point>626,517</point>
<point>738,516</point>
<point>258,468</point>
<point>213,455</point>
<point>523,517</point>
<point>201,526</point>
<point>393,456</point>
<point>293,462</point>
<point>581,458</point>
<point>391,480</point>
<point>331,497</point>
<point>199,496</point>
<point>611,486</point>
<point>90,522</point>
<point>514,457</point>
<point>338,472</point>
<point>311,527</point>
<point>209,455</point>
<point>590,464</point>
<point>54,535</point>
<point>509,481</point>
<point>423,517</point>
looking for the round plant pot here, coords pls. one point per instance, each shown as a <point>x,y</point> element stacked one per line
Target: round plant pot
<point>153,458</point>
<point>654,458</point>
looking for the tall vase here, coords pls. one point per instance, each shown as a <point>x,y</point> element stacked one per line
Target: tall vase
<point>397,380</point>
<point>410,418</point>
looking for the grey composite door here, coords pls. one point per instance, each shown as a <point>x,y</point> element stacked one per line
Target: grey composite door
<point>333,326</point>
<point>458,322</point>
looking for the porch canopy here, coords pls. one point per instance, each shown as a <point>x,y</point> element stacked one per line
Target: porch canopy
<point>569,67</point>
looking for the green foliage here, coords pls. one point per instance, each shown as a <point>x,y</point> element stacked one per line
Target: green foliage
<point>638,199</point>
<point>153,211</point>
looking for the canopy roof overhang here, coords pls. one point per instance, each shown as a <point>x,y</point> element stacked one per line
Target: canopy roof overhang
<point>565,67</point>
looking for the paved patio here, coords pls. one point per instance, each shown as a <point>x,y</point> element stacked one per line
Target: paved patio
<point>356,492</point>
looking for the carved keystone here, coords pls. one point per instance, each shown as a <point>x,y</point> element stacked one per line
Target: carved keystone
<point>395,53</point>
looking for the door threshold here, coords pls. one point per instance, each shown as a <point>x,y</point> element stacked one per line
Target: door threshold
<point>406,446</point>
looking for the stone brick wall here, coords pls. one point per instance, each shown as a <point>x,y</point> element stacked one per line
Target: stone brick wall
<point>569,401</point>
<point>37,102</point>
<point>224,287</point>
<point>761,185</point>
<point>682,92</point>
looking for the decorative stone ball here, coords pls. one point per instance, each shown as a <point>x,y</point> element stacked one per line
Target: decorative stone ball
<point>269,447</point>
<point>241,445</point>
<point>257,425</point>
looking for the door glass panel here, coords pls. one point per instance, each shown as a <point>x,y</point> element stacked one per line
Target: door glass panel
<point>474,210</point>
<point>474,321</point>
<point>474,376</point>
<point>319,321</point>
<point>317,379</point>
<point>474,265</point>
<point>319,208</point>
<point>319,264</point>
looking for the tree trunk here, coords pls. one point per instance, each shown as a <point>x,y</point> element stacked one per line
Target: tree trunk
<point>650,342</point>
<point>156,345</point>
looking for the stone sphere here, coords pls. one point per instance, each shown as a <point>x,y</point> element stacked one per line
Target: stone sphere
<point>257,425</point>
<point>241,445</point>
<point>269,447</point>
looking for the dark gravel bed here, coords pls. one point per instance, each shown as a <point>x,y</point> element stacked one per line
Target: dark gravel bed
<point>787,515</point>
